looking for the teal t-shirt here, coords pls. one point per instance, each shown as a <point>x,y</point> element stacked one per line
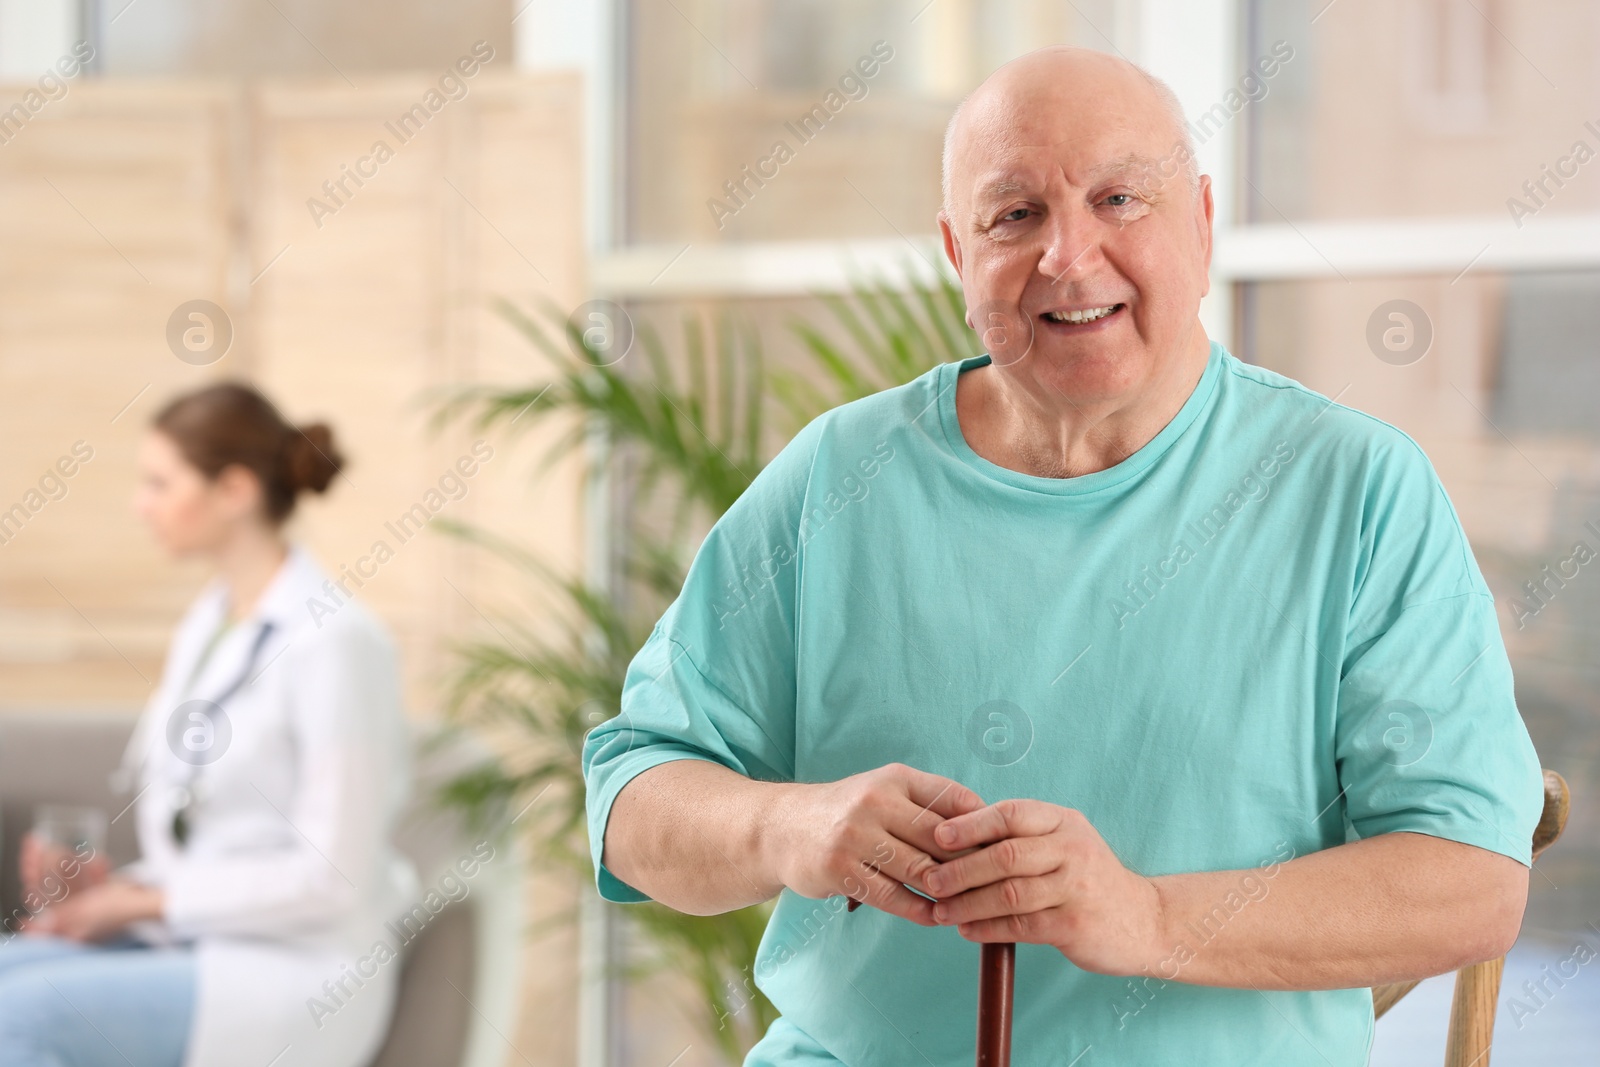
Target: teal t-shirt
<point>1261,635</point>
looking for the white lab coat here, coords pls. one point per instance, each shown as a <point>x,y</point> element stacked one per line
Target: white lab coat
<point>289,875</point>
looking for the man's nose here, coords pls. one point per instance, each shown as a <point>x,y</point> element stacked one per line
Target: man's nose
<point>1072,245</point>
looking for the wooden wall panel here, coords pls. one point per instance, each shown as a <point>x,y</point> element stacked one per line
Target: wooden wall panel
<point>124,200</point>
<point>115,206</point>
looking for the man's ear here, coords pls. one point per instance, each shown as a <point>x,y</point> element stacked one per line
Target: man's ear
<point>1204,216</point>
<point>952,247</point>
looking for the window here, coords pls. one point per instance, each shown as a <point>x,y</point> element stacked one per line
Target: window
<point>778,120</point>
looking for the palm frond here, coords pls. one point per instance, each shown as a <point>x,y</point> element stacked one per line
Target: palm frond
<point>686,428</point>
<point>879,338</point>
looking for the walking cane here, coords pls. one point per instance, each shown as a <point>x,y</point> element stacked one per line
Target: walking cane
<point>997,970</point>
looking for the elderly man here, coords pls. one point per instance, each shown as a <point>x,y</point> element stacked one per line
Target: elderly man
<point>1171,670</point>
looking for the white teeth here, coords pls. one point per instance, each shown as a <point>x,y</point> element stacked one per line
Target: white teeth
<point>1089,315</point>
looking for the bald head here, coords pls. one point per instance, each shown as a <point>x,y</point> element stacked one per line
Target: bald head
<point>1044,88</point>
<point>1081,231</point>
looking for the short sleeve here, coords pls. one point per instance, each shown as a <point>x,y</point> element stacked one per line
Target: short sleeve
<point>1428,736</point>
<point>716,678</point>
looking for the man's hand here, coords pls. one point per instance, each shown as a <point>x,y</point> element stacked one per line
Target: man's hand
<point>1390,908</point>
<point>99,912</point>
<point>867,836</point>
<point>703,839</point>
<point>1043,875</point>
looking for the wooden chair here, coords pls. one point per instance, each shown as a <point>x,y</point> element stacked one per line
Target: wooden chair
<point>1478,986</point>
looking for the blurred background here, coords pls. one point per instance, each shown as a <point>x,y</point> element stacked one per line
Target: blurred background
<point>1408,220</point>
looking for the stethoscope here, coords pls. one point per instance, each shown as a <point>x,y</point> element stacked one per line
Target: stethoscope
<point>183,792</point>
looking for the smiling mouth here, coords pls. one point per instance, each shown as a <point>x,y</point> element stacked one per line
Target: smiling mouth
<point>1082,317</point>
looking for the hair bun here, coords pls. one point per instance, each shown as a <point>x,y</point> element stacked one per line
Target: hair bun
<point>311,457</point>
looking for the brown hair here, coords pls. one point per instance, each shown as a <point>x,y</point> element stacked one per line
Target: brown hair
<point>231,423</point>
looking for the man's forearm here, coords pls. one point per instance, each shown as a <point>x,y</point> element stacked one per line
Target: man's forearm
<point>1390,908</point>
<point>690,834</point>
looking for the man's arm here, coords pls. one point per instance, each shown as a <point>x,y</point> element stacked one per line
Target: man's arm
<point>703,839</point>
<point>692,835</point>
<point>1389,908</point>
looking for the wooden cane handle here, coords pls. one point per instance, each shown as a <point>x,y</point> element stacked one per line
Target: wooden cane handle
<point>1557,804</point>
<point>997,967</point>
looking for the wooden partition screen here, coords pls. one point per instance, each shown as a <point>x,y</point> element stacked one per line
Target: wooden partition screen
<point>353,239</point>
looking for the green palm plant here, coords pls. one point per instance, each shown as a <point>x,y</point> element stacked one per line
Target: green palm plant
<point>688,431</point>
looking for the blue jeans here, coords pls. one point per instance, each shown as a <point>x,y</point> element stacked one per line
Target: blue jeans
<point>66,1004</point>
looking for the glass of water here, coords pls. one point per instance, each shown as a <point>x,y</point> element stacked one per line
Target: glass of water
<point>65,851</point>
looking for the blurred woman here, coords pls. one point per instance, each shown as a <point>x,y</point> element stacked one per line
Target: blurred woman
<point>270,765</point>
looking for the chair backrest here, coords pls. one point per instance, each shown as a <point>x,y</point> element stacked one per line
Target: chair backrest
<point>1477,991</point>
<point>472,948</point>
<point>68,757</point>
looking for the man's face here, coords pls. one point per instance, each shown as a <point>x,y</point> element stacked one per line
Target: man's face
<point>1067,197</point>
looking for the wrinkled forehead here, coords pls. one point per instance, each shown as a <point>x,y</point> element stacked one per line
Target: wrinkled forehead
<point>1031,169</point>
<point>1010,143</point>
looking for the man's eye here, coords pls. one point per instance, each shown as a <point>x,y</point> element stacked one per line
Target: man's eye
<point>1015,215</point>
<point>1126,198</point>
